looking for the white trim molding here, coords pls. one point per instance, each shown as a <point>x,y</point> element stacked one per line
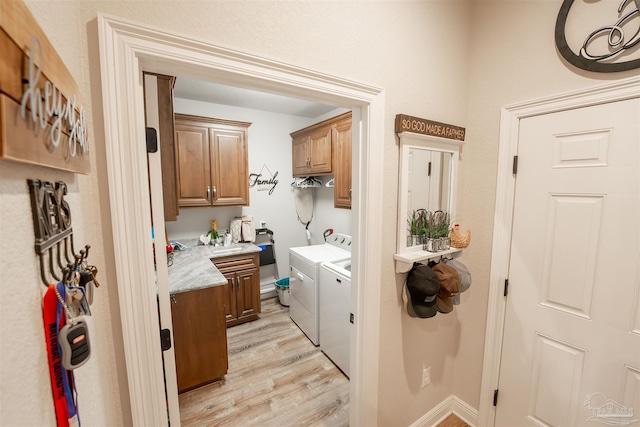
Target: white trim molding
<point>126,49</point>
<point>450,405</point>
<point>505,191</point>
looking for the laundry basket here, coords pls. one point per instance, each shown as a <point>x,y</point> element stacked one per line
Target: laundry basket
<point>283,290</point>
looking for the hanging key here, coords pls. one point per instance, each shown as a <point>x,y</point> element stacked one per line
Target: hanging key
<point>87,282</point>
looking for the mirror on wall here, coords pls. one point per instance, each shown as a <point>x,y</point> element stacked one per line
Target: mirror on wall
<point>427,180</point>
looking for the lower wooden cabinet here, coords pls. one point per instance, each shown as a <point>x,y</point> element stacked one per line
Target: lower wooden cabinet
<point>199,336</point>
<point>242,291</point>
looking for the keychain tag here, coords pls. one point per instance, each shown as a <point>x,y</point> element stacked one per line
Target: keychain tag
<point>74,342</point>
<point>87,282</point>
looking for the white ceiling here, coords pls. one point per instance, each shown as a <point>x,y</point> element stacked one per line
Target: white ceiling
<point>246,98</point>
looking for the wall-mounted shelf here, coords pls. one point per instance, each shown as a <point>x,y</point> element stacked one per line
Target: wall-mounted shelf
<point>405,261</point>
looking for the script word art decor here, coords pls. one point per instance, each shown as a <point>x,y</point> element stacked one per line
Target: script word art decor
<point>42,121</point>
<point>603,47</point>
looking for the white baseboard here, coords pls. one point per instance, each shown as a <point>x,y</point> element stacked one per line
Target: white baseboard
<point>450,405</point>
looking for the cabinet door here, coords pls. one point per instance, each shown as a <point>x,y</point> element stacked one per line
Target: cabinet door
<point>167,146</point>
<point>229,168</point>
<point>342,165</point>
<point>301,156</point>
<point>192,165</point>
<point>242,291</point>
<point>200,337</point>
<point>230,297</point>
<point>248,291</point>
<point>320,151</point>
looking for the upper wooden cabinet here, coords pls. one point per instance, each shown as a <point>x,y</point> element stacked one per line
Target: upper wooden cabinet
<point>211,161</point>
<point>165,86</point>
<point>312,151</point>
<point>324,149</point>
<point>342,163</point>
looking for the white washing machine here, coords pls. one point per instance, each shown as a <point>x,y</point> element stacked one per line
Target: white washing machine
<point>335,313</point>
<point>304,265</point>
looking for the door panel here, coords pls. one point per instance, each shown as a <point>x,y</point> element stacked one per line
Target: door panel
<point>320,151</point>
<point>248,292</point>
<point>229,168</point>
<point>192,148</point>
<point>300,154</point>
<point>342,164</point>
<point>230,306</point>
<point>574,269</point>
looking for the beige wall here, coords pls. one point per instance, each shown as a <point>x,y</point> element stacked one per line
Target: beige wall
<point>513,59</point>
<point>450,61</point>
<point>394,45</point>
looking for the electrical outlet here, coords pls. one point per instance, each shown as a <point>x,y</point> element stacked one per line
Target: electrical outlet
<point>426,376</point>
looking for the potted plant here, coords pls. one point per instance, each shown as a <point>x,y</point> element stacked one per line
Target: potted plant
<point>437,231</point>
<point>416,221</point>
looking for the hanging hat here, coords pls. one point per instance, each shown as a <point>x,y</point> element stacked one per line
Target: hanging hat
<point>463,274</point>
<point>449,286</point>
<point>419,294</point>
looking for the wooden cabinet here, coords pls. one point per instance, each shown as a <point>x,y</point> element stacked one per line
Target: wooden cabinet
<point>342,163</point>
<point>211,161</point>
<point>166,131</point>
<point>323,149</point>
<point>312,151</point>
<point>199,336</point>
<point>242,291</point>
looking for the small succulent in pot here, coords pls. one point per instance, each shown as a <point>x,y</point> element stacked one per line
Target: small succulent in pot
<point>416,221</point>
<point>440,224</point>
<point>213,233</point>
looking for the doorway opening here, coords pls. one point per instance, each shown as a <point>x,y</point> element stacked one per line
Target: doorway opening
<point>274,373</point>
<point>126,50</point>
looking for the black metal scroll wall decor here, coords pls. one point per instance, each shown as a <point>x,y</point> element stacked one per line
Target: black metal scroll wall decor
<point>53,232</point>
<point>618,44</point>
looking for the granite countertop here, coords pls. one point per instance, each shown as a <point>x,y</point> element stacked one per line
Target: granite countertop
<point>193,268</point>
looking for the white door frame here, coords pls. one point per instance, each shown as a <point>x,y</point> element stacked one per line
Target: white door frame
<point>502,223</point>
<point>128,48</point>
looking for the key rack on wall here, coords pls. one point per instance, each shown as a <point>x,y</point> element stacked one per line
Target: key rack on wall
<point>53,232</point>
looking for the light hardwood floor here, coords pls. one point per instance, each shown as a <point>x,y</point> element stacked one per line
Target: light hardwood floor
<point>276,377</point>
<point>453,421</point>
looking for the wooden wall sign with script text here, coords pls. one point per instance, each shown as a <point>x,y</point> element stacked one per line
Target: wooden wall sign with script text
<point>42,120</point>
<point>406,123</point>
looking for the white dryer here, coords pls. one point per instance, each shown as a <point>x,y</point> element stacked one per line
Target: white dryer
<point>335,315</point>
<point>304,266</point>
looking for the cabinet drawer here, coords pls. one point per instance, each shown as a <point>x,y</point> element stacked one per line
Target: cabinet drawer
<point>240,262</point>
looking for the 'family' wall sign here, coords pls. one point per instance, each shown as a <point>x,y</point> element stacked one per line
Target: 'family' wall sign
<point>41,120</point>
<point>622,37</point>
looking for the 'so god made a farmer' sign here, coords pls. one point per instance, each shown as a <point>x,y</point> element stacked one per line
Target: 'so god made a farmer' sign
<point>406,123</point>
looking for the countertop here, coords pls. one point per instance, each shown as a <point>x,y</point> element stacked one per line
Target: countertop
<point>193,268</point>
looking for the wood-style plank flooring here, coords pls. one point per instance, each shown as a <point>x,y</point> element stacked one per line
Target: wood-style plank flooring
<point>453,421</point>
<point>276,377</point>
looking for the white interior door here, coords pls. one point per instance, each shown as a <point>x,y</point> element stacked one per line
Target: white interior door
<point>162,273</point>
<point>571,350</point>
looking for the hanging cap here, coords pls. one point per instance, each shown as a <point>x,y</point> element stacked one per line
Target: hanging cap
<point>449,286</point>
<point>420,292</point>
<point>463,274</point>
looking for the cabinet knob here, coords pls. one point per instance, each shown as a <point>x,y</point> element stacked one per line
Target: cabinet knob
<point>173,299</point>
<point>208,192</point>
<point>215,193</point>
